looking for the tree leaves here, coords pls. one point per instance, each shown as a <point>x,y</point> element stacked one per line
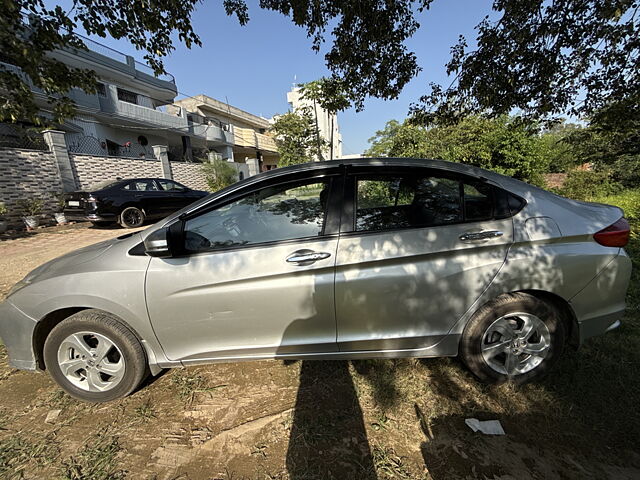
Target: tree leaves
<point>29,30</point>
<point>542,59</point>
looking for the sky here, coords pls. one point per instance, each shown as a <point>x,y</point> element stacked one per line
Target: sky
<point>253,67</point>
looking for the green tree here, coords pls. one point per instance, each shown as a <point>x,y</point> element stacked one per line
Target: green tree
<point>219,174</point>
<point>543,59</point>
<point>540,58</point>
<point>611,146</point>
<point>558,149</point>
<point>29,29</point>
<point>505,145</point>
<point>295,136</point>
<point>329,94</point>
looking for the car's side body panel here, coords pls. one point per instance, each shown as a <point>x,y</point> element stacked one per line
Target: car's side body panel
<point>104,277</point>
<point>243,302</point>
<point>406,288</point>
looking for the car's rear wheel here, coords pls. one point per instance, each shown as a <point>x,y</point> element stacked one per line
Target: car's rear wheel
<point>131,217</point>
<point>517,337</point>
<point>95,357</point>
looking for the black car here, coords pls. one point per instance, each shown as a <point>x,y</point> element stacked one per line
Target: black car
<point>129,202</point>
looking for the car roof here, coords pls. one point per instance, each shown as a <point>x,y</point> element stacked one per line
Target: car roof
<point>442,165</point>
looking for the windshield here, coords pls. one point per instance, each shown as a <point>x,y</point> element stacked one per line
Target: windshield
<point>104,184</point>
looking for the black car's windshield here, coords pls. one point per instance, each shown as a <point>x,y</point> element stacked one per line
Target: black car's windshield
<point>104,184</point>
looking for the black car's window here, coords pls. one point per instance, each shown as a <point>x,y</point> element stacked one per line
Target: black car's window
<point>103,185</point>
<point>402,201</point>
<point>283,212</point>
<point>170,186</point>
<point>141,186</point>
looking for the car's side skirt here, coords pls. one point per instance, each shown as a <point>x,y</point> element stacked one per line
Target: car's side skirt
<point>446,346</point>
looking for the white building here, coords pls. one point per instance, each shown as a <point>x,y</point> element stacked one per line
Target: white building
<point>327,123</point>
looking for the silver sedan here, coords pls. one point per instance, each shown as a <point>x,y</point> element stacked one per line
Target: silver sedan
<point>331,260</point>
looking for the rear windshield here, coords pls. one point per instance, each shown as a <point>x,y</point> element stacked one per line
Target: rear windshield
<point>104,184</point>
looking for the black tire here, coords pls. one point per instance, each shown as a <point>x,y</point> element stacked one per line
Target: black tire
<point>102,224</point>
<point>131,217</point>
<point>473,335</point>
<point>102,323</point>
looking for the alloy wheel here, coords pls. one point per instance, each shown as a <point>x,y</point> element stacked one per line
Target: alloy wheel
<point>516,343</point>
<point>91,361</point>
<point>132,217</point>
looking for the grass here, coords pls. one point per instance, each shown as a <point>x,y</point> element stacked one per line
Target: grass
<point>145,411</point>
<point>388,464</point>
<point>17,453</point>
<point>97,460</point>
<point>188,382</point>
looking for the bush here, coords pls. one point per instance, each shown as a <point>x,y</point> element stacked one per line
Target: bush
<point>628,200</point>
<point>31,206</point>
<point>219,174</point>
<point>3,209</point>
<point>588,184</point>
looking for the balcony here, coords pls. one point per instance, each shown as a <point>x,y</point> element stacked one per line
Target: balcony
<point>106,61</point>
<point>246,137</point>
<point>212,133</point>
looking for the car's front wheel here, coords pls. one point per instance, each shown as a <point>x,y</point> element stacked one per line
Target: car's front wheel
<point>517,337</point>
<point>95,357</point>
<point>132,217</point>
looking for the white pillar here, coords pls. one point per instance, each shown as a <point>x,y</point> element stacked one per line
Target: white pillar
<point>254,166</point>
<point>58,146</point>
<point>160,152</point>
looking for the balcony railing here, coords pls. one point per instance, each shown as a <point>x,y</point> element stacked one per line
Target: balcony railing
<point>246,137</point>
<point>113,54</point>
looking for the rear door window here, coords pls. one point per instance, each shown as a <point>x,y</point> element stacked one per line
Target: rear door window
<point>141,186</point>
<point>387,202</point>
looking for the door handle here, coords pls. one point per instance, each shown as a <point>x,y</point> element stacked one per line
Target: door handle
<point>306,257</point>
<point>476,236</point>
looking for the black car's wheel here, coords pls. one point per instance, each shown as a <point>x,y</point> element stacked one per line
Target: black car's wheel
<point>95,357</point>
<point>102,224</point>
<point>516,337</point>
<point>131,217</point>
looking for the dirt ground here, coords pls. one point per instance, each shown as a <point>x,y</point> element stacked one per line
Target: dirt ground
<point>399,419</point>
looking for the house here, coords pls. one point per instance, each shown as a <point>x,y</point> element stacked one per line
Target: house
<point>134,109</point>
<point>250,132</point>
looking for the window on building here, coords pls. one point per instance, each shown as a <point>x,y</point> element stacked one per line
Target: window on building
<point>127,96</point>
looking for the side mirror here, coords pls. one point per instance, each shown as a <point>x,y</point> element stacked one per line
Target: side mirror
<point>157,244</point>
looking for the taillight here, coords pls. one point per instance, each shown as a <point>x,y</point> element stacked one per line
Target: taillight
<point>616,235</point>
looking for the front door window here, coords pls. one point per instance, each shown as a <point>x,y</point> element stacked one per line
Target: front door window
<point>278,213</point>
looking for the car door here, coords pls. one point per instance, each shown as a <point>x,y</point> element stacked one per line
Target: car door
<point>176,196</point>
<point>257,278</point>
<point>417,249</point>
<point>144,193</point>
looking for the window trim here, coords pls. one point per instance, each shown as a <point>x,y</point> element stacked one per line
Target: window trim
<point>348,226</point>
<point>334,179</point>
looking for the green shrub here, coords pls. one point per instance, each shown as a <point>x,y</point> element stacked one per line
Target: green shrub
<point>31,207</point>
<point>628,200</point>
<point>3,209</point>
<point>588,184</point>
<point>219,174</point>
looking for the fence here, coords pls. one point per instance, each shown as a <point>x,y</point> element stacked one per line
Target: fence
<point>32,173</point>
<point>16,136</point>
<point>92,146</point>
